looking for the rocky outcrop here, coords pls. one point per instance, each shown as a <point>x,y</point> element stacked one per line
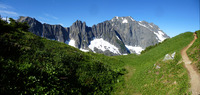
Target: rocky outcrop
<point>137,33</point>
<point>169,57</point>
<point>81,33</point>
<point>53,32</point>
<point>35,26</point>
<point>120,35</point>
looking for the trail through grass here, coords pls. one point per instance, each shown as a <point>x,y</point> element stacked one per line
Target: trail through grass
<point>194,52</point>
<point>144,78</point>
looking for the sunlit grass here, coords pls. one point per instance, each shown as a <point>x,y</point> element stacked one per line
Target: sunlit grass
<point>170,79</point>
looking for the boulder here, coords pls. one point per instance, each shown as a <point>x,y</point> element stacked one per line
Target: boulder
<point>169,57</point>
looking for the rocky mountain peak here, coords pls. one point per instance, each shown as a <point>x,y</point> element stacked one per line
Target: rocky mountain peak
<point>78,22</point>
<point>125,19</point>
<point>120,35</point>
<point>22,18</point>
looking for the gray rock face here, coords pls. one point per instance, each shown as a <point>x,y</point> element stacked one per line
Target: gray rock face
<point>53,32</point>
<point>119,35</point>
<point>81,33</point>
<point>137,33</point>
<point>35,26</point>
<point>56,32</point>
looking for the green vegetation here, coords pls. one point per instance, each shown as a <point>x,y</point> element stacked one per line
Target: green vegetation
<point>144,78</point>
<point>33,65</point>
<point>194,51</point>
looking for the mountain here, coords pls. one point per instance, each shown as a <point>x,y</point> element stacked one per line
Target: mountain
<point>118,36</point>
<point>31,64</point>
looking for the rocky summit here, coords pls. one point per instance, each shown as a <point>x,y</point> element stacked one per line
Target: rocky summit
<point>118,36</point>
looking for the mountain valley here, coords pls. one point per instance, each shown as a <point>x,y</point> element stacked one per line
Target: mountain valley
<point>37,59</point>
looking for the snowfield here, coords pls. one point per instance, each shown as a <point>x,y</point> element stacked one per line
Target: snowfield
<point>103,45</point>
<point>70,42</point>
<point>160,35</point>
<point>125,21</point>
<point>136,49</point>
<point>84,50</point>
<point>140,23</point>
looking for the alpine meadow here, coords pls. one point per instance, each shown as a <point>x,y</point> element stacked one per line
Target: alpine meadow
<point>31,64</point>
<point>99,47</point>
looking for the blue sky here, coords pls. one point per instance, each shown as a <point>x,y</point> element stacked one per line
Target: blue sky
<point>172,16</point>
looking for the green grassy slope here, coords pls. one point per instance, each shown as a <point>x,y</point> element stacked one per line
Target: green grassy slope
<point>194,51</point>
<point>30,64</point>
<point>33,65</point>
<point>144,78</point>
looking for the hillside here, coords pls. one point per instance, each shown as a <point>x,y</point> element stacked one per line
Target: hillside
<point>148,74</point>
<point>194,52</point>
<point>34,65</point>
<point>194,75</point>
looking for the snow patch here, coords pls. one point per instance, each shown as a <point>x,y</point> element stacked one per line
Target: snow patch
<point>125,21</point>
<point>84,50</point>
<point>142,24</point>
<point>117,17</point>
<point>117,37</point>
<point>160,35</point>
<point>70,42</point>
<point>150,25</point>
<point>131,18</point>
<point>160,32</point>
<point>136,49</point>
<point>103,45</point>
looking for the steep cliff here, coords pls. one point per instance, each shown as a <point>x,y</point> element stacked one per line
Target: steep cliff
<point>120,35</point>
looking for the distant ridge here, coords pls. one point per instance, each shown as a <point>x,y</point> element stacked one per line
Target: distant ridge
<point>118,36</point>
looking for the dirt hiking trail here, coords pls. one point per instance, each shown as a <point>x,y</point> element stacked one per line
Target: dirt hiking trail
<point>194,75</point>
